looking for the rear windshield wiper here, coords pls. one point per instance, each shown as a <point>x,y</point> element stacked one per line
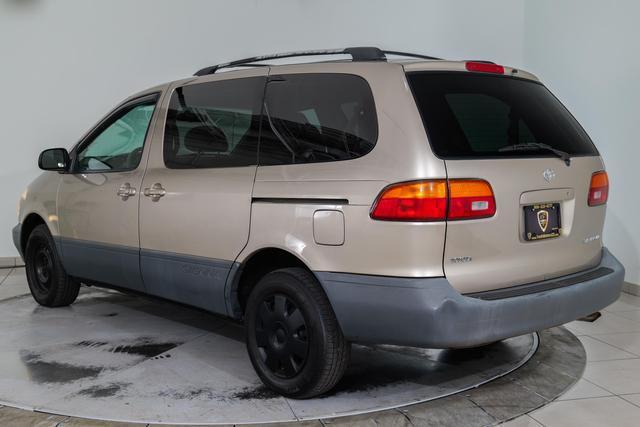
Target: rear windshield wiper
<point>532,146</point>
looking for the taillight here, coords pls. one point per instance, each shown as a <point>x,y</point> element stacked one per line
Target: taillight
<point>412,201</point>
<point>435,200</point>
<point>599,189</point>
<point>484,67</point>
<point>470,198</point>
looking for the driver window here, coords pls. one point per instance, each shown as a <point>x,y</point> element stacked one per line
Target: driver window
<point>118,147</point>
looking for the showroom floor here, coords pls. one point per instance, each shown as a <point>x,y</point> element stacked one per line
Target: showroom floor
<point>608,393</point>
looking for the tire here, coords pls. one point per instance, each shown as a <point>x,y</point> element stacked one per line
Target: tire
<point>293,338</point>
<point>49,283</point>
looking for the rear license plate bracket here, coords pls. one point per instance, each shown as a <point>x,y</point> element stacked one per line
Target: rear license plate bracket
<point>542,221</point>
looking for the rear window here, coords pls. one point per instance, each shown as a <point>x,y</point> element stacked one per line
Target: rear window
<point>311,118</point>
<point>475,115</point>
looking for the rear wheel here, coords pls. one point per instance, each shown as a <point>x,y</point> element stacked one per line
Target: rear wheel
<point>49,283</point>
<point>293,338</point>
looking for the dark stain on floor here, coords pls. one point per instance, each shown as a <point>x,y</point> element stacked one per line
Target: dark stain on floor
<point>106,390</point>
<point>145,347</point>
<point>162,356</point>
<point>248,393</point>
<point>376,367</point>
<point>461,356</point>
<point>255,393</point>
<point>90,344</point>
<point>205,393</point>
<point>110,314</point>
<point>43,371</point>
<point>190,394</point>
<point>372,380</point>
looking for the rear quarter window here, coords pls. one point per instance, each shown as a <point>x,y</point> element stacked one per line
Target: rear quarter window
<point>214,124</point>
<point>469,115</point>
<point>310,118</point>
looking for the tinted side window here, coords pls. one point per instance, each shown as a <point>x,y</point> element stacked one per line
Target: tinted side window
<point>317,118</point>
<point>215,124</point>
<point>119,143</point>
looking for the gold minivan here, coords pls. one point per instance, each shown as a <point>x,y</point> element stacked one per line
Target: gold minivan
<point>415,201</point>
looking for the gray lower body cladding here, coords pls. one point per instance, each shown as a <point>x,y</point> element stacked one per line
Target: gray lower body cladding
<point>112,264</point>
<point>429,312</point>
<point>187,279</point>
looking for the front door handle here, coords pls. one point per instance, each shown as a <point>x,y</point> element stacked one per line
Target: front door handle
<point>125,191</point>
<point>155,192</point>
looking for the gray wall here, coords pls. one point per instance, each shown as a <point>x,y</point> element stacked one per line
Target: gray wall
<point>64,63</point>
<point>587,53</point>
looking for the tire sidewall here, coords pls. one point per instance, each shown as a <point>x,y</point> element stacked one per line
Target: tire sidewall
<point>292,287</point>
<point>40,235</point>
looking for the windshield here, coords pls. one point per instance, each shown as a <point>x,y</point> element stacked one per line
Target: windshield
<point>469,115</point>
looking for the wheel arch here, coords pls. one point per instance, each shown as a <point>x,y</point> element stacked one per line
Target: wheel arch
<point>30,222</point>
<point>246,274</point>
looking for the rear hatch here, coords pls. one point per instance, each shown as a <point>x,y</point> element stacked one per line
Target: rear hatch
<point>490,126</point>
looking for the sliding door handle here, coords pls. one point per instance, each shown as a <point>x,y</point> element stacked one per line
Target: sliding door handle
<point>125,191</point>
<point>155,192</point>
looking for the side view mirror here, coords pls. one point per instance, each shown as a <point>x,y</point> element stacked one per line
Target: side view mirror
<point>54,159</point>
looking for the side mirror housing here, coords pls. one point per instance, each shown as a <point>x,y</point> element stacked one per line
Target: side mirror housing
<point>54,159</point>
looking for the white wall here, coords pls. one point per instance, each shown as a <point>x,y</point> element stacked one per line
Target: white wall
<point>587,52</point>
<point>64,63</point>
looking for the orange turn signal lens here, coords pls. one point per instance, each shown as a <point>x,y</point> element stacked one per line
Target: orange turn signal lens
<point>599,189</point>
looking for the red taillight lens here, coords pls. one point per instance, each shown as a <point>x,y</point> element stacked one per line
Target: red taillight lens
<point>412,201</point>
<point>599,189</point>
<point>484,67</point>
<point>435,200</point>
<point>469,199</point>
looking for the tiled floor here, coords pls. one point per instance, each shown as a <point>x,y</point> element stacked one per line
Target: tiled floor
<point>609,392</point>
<point>12,282</point>
<point>4,272</point>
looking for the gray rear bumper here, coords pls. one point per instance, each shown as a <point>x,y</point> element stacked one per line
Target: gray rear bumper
<point>429,312</point>
<point>16,238</point>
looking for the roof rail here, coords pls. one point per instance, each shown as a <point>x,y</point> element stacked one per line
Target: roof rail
<point>362,53</point>
<point>410,55</point>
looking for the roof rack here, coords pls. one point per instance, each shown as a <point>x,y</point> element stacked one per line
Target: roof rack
<point>358,54</point>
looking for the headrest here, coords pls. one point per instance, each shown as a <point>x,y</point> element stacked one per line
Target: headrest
<point>205,139</point>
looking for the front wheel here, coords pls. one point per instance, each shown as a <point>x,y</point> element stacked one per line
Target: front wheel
<point>49,283</point>
<point>293,338</point>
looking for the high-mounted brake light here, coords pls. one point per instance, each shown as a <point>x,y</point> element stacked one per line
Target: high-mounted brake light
<point>484,67</point>
<point>435,200</point>
<point>599,189</point>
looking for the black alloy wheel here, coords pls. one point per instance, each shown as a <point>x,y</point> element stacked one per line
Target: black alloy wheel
<point>43,264</point>
<point>281,335</point>
<point>48,281</point>
<point>294,340</point>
